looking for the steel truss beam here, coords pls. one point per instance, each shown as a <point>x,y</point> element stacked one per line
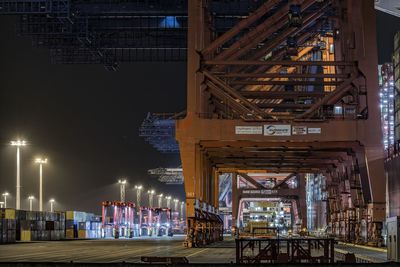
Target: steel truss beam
<point>282,182</point>
<point>251,180</point>
<point>241,151</point>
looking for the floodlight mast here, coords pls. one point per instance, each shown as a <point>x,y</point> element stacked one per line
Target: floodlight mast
<point>18,144</point>
<point>41,161</point>
<point>122,184</point>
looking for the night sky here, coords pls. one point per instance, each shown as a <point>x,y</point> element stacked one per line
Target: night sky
<point>86,120</point>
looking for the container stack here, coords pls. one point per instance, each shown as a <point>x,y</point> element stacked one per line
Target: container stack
<point>21,225</point>
<point>82,225</point>
<point>7,226</point>
<point>90,229</point>
<point>40,226</point>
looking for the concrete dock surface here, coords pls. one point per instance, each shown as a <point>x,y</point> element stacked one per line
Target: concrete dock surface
<point>131,250</point>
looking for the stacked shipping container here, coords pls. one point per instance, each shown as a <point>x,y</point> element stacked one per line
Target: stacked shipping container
<point>89,230</point>
<point>40,226</point>
<point>7,226</point>
<point>82,225</point>
<point>20,225</point>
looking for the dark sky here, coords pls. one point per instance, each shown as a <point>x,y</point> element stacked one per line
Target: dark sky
<point>387,26</point>
<point>86,119</point>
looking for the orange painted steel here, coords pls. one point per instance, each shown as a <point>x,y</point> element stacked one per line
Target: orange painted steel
<point>237,121</point>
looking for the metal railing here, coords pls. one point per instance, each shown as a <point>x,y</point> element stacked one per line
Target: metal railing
<point>272,250</point>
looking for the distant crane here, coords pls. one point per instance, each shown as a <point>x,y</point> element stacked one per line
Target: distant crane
<point>168,175</point>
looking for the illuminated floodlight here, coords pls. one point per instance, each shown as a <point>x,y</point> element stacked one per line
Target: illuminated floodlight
<point>18,143</point>
<point>122,181</point>
<point>41,161</point>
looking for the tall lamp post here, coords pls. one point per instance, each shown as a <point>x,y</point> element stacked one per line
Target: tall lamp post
<point>18,144</point>
<point>122,183</point>
<point>168,198</point>
<point>151,195</point>
<point>40,161</point>
<point>138,195</point>
<point>52,204</point>
<point>182,208</point>
<point>160,197</point>
<point>176,202</point>
<point>5,195</point>
<point>30,198</point>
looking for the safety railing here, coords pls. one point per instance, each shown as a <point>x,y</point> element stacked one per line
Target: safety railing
<point>273,250</point>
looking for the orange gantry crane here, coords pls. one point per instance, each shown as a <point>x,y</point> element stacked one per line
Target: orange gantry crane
<point>290,87</point>
<point>275,86</point>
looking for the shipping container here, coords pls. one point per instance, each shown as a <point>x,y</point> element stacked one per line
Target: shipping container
<point>26,235</point>
<point>69,234</point>
<point>7,214</point>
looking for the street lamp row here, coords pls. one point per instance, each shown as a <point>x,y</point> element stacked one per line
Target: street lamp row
<point>3,204</point>
<point>151,193</point>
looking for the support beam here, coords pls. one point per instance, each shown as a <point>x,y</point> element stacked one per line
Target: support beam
<point>280,62</point>
<point>307,21</point>
<point>268,193</point>
<point>290,82</point>
<point>341,90</point>
<point>282,75</point>
<point>255,36</point>
<point>283,106</point>
<point>278,185</point>
<point>235,200</point>
<point>231,92</point>
<point>281,94</point>
<point>243,24</point>
<point>251,180</point>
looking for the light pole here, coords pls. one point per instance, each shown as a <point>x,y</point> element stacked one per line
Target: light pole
<point>168,198</point>
<point>31,198</point>
<point>160,196</point>
<point>151,194</point>
<point>182,207</point>
<point>40,161</point>
<point>176,201</point>
<point>5,195</point>
<point>122,184</point>
<point>52,204</point>
<point>18,144</point>
<point>138,195</point>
